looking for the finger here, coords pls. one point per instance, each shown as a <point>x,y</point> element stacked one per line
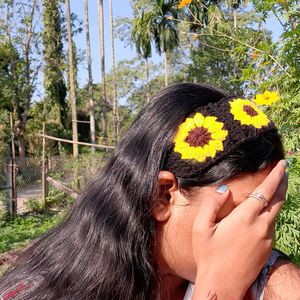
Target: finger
<point>273,209</point>
<point>268,188</point>
<point>212,202</point>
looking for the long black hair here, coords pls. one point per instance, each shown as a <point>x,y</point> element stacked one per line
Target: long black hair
<point>104,247</point>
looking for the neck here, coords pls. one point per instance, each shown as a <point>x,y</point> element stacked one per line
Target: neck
<point>172,287</point>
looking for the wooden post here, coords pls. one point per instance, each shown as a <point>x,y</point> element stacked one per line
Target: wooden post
<point>44,171</point>
<point>12,166</point>
<point>61,186</point>
<point>9,188</point>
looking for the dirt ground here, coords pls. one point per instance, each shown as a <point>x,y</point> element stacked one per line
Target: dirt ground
<point>23,194</point>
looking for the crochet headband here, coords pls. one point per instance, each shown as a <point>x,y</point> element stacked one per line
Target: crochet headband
<point>213,131</point>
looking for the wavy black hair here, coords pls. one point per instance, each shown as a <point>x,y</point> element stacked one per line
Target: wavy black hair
<point>104,247</point>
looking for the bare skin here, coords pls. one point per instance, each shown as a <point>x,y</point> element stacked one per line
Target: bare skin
<point>189,231</point>
<point>283,282</point>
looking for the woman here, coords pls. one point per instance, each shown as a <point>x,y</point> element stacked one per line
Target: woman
<point>159,215</point>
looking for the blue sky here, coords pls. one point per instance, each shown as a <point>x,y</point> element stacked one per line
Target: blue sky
<point>121,8</point>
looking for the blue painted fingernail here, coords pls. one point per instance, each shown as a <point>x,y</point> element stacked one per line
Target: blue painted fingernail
<point>222,189</point>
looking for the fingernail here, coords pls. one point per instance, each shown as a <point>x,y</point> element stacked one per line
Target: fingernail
<point>222,189</point>
<point>284,163</point>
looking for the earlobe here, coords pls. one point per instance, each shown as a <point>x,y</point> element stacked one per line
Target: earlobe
<point>161,212</point>
<point>167,186</point>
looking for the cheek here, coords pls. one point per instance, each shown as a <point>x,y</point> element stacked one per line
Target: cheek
<point>178,242</point>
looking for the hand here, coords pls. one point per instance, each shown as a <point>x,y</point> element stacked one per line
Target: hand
<point>231,253</point>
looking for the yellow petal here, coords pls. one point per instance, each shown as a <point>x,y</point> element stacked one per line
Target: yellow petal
<point>209,122</point>
<point>180,147</point>
<point>219,135</point>
<point>216,144</point>
<point>210,151</point>
<point>186,154</point>
<point>200,155</point>
<point>266,98</point>
<point>260,121</point>
<point>189,124</point>
<point>259,99</point>
<point>198,120</point>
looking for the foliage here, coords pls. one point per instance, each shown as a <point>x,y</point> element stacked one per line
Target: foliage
<point>285,114</point>
<point>155,23</point>
<point>9,63</point>
<point>54,82</point>
<point>287,226</point>
<point>4,133</point>
<point>18,232</point>
<point>217,59</point>
<point>88,164</point>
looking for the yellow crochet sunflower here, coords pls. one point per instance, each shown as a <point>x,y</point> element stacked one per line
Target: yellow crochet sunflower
<point>248,114</point>
<point>200,137</point>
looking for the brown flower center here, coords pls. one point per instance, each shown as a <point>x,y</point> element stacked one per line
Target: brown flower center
<point>198,137</point>
<point>250,110</point>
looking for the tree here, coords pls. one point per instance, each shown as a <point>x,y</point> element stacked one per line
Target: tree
<point>217,55</point>
<point>142,40</point>
<point>104,102</point>
<point>90,78</point>
<point>158,24</point>
<point>114,100</point>
<point>72,81</point>
<point>21,42</point>
<point>54,82</point>
<point>9,57</point>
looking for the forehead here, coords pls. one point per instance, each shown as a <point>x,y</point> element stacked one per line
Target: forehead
<point>250,179</point>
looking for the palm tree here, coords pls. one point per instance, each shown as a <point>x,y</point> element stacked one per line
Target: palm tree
<point>72,81</point>
<point>115,100</point>
<point>235,4</point>
<point>158,25</point>
<point>102,59</point>
<point>90,78</point>
<point>142,41</point>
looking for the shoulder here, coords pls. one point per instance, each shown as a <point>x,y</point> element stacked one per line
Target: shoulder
<point>283,281</point>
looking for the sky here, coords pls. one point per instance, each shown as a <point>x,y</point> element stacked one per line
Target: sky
<point>121,8</point>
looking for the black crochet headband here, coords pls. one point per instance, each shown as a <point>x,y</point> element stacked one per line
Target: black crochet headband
<point>213,131</point>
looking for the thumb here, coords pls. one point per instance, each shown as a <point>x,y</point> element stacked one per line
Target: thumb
<point>211,203</point>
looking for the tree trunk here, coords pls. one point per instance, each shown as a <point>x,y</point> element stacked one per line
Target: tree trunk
<point>90,78</point>
<point>115,100</point>
<point>72,81</point>
<point>234,19</point>
<point>102,60</point>
<point>13,199</point>
<point>166,68</point>
<point>147,80</point>
<point>28,88</point>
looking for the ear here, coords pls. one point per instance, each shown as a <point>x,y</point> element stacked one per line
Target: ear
<point>166,196</point>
